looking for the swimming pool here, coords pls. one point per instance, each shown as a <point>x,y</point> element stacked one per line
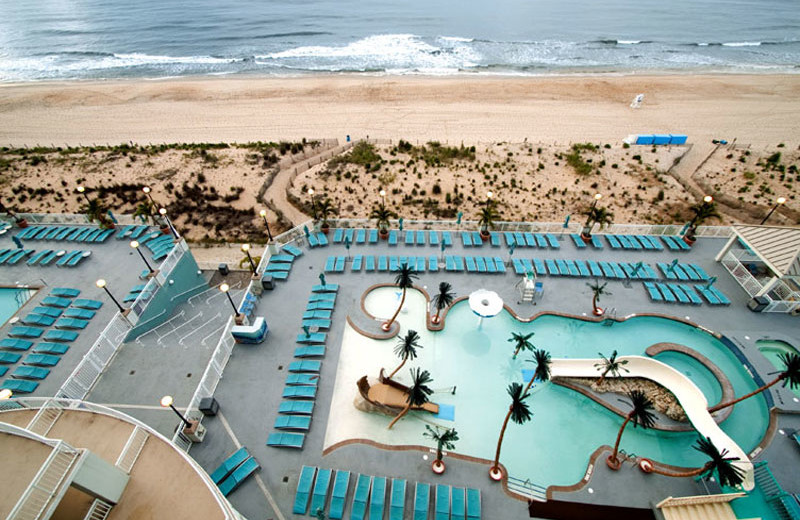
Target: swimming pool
<point>555,446</point>
<point>772,349</point>
<point>11,299</point>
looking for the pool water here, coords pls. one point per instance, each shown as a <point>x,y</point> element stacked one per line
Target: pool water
<point>772,349</point>
<point>696,371</point>
<point>554,447</point>
<point>11,299</point>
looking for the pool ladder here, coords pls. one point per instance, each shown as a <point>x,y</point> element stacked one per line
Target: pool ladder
<point>610,317</point>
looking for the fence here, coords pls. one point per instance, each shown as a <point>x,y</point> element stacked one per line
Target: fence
<point>71,218</point>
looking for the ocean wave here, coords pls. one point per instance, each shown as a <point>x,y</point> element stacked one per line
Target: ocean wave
<point>741,44</point>
<point>456,39</point>
<point>622,42</point>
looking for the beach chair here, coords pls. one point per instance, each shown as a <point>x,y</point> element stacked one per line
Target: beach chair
<point>54,301</point>
<point>6,254</point>
<point>339,268</point>
<point>9,358</point>
<point>480,264</point>
<point>124,232</point>
<point>422,497</point>
<point>314,338</point>
<point>339,495</point>
<point>470,264</point>
<point>224,470</point>
<point>442,507</point>
<point>681,274</point>
<point>33,260</point>
<point>64,292</point>
<point>582,269</point>
<point>312,240</point>
<point>562,267</point>
<point>19,386</point>
<point>356,265</point>
<point>579,243</point>
<point>308,366</point>
<point>358,508</point>
<point>373,236</point>
<point>393,237</point>
<point>83,303</point>
<point>433,264</point>
<point>369,264</point>
<point>330,287</point>
<point>238,476</point>
<point>477,239</point>
<point>618,272</point>
<point>338,235</point>
<point>708,295</point>
<point>409,237</point>
<point>42,360</point>
<point>48,258</point>
<point>397,504</point>
<point>433,238</point>
<point>552,268</point>
<point>552,240</point>
<point>314,315</point>
<point>494,239</point>
<point>61,335</point>
<point>76,259</point>
<point>473,504</point>
<point>572,268</point>
<point>361,236</point>
<point>71,323</point>
<point>53,312</point>
<point>723,300</point>
<point>296,407</point>
<point>394,264</point>
<point>541,241</point>
<point>596,243</point>
<point>19,255</point>
<point>466,238</point>
<point>309,351</point>
<point>292,250</point>
<point>678,292</point>
<point>377,500</point>
<point>499,265</point>
<point>25,332</point>
<point>295,379</point>
<point>653,292</point>
<point>666,293</point>
<point>490,268</point>
<point>299,392</point>
<point>383,264</point>
<point>447,238</point>
<point>458,505</point>
<point>691,294</point>
<point>525,239</point>
<point>67,257</point>
<point>509,238</point>
<point>420,238</point>
<point>50,348</point>
<point>293,422</point>
<point>613,242</point>
<point>539,266</point>
<point>15,344</point>
<point>37,319</point>
<point>320,494</point>
<point>700,271</point>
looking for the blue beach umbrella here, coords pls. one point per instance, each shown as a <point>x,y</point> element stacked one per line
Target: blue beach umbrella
<point>673,264</point>
<point>306,330</point>
<point>711,282</point>
<point>511,248</point>
<point>685,228</point>
<point>17,241</point>
<point>442,246</point>
<point>636,268</point>
<point>111,216</point>
<point>458,217</point>
<point>566,221</point>
<point>400,223</point>
<point>305,230</point>
<point>322,278</point>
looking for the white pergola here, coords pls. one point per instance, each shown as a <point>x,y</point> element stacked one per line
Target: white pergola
<point>765,261</point>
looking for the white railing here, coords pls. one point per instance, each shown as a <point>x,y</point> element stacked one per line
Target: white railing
<point>130,453</point>
<point>99,510</point>
<point>71,218</point>
<point>740,273</point>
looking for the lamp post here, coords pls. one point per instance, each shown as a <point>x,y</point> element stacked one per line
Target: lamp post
<point>225,288</point>
<point>263,214</point>
<point>82,191</point>
<point>5,393</point>
<point>246,249</point>
<point>163,213</point>
<point>135,245</point>
<point>166,402</point>
<point>313,202</point>
<point>781,200</point>
<point>382,193</point>
<point>597,197</point>
<point>489,195</point>
<point>102,284</point>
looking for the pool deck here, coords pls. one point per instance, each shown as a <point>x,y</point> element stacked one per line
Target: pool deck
<point>249,393</point>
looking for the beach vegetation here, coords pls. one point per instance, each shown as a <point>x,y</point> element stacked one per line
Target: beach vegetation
<point>362,154</point>
<point>444,440</point>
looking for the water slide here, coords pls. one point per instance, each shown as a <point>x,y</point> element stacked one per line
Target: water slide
<point>690,397</point>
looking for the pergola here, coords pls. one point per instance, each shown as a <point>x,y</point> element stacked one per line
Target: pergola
<point>765,261</point>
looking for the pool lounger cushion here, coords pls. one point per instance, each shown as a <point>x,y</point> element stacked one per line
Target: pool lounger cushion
<point>61,335</point>
<point>293,422</point>
<point>15,344</point>
<point>42,360</point>
<point>339,494</point>
<point>238,476</point>
<point>230,464</point>
<point>305,483</point>
<point>19,386</point>
<point>83,303</point>
<point>30,372</point>
<point>64,292</point>
<point>320,493</point>
<point>296,407</point>
<point>286,440</point>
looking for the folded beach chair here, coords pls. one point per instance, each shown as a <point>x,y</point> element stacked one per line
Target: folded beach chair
<point>397,505</point>
<point>19,386</point>
<point>231,463</point>
<point>312,338</point>
<point>38,319</point>
<point>64,292</point>
<point>688,291</point>
<point>83,314</point>
<point>304,485</point>
<point>377,499</point>
<point>15,344</point>
<point>294,379</point>
<point>53,312</point>
<point>33,260</point>
<point>358,509</point>
<point>320,494</point>
<point>50,348</point>
<point>61,335</point>
<point>331,287</point>
<point>71,323</point>
<point>9,358</point>
<point>29,372</point>
<point>25,332</point>
<point>393,237</point>
<point>339,494</point>
<point>43,360</point>
<point>442,507</point>
<point>473,504</point>
<point>82,303</point>
<point>458,506</point>
<point>293,422</point>
<point>422,497</point>
<point>296,407</point>
<point>447,238</point>
<point>238,476</point>
<point>299,392</point>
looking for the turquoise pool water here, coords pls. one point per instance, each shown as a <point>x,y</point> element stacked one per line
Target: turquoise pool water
<point>696,371</point>
<point>772,349</point>
<point>11,299</point>
<point>555,446</point>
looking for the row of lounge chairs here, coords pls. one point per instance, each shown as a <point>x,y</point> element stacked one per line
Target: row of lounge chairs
<point>635,242</point>
<point>62,258</point>
<point>234,471</point>
<point>369,497</point>
<point>36,365</point>
<point>526,239</point>
<point>317,239</point>
<point>300,390</point>
<point>160,246</point>
<point>280,265</point>
<point>683,271</point>
<point>583,268</point>
<point>66,233</point>
<point>580,244</point>
<point>132,232</point>
<point>682,293</point>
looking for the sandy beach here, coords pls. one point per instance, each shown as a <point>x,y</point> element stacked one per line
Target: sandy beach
<point>757,109</point>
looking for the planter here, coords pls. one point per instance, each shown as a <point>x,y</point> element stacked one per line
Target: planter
<point>438,467</point>
<point>164,230</point>
<point>325,228</point>
<point>587,239</point>
<point>435,320</point>
<point>496,474</point>
<point>22,223</point>
<point>384,234</point>
<point>689,240</point>
<point>646,465</point>
<point>598,311</point>
<point>485,236</point>
<point>613,463</point>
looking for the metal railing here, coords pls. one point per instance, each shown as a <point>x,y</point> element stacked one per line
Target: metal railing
<point>71,218</point>
<point>782,298</point>
<point>99,510</point>
<point>130,453</point>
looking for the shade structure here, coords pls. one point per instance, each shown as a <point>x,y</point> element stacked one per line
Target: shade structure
<point>485,304</point>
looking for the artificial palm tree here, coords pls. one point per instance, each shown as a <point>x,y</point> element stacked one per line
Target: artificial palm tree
<point>521,342</point>
<point>382,214</point>
<point>406,349</point>
<point>418,392</point>
<point>96,211</point>
<point>443,300</point>
<point>640,414</point>
<point>789,375</point>
<point>728,474</point>
<point>596,215</point>
<point>443,439</point>
<point>518,412</point>
<point>598,290</point>
<point>542,371</point>
<point>404,279</point>
<point>488,216</point>
<point>702,212</point>
<point>21,222</point>
<point>610,365</point>
<point>143,211</point>
<point>325,209</point>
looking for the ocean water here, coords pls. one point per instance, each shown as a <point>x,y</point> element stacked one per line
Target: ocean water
<point>92,39</point>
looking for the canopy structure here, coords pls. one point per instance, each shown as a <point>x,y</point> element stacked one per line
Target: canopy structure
<point>765,261</point>
<point>485,304</point>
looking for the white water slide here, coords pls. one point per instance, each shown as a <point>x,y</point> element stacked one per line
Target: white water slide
<point>690,397</point>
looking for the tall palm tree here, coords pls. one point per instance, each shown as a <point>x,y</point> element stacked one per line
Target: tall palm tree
<point>542,372</point>
<point>406,349</point>
<point>325,209</point>
<point>596,215</point>
<point>382,214</point>
<point>443,439</point>
<point>598,290</point>
<point>443,300</point>
<point>518,412</point>
<point>702,212</point>
<point>789,375</point>
<point>404,279</point>
<point>727,473</point>
<point>640,414</point>
<point>521,342</point>
<point>488,216</point>
<point>610,365</point>
<point>418,392</point>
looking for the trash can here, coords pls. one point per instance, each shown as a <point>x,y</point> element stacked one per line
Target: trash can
<point>757,304</point>
<point>223,269</point>
<point>267,283</point>
<point>348,138</point>
<point>209,406</point>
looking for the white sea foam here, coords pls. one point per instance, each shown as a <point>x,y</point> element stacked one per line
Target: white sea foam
<point>741,44</point>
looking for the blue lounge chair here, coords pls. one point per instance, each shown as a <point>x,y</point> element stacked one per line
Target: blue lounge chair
<point>62,262</point>
<point>466,238</point>
<point>64,292</point>
<point>83,314</point>
<point>286,440</point>
<point>338,235</point>
<point>48,258</point>
<point>613,242</point>
<point>477,239</point>
<point>688,291</point>
<point>361,236</point>
<point>525,239</point>
<point>595,269</point>
<point>562,267</point>
<point>377,500</point>
<point>296,407</point>
<point>313,337</point>
<point>409,237</point>
<point>393,237</point>
<point>293,422</point>
<point>495,239</point>
<point>19,255</point>
<point>9,358</point>
<point>312,240</point>
<point>723,300</point>
<point>25,332</point>
<point>19,386</point>
<point>71,323</point>
<point>295,252</point>
<point>458,506</point>
<point>422,497</point>
<point>50,348</point>
<point>538,263</point>
<point>579,243</point>
<point>230,464</point>
<point>473,504</point>
<point>433,238</point>
<point>447,238</point>
<point>582,269</point>
<point>331,287</point>
<point>369,264</point>
<point>666,293</point>
<point>700,271</point>
<point>42,360</point>
<point>358,509</point>
<point>53,301</point>
<point>6,254</point>
<point>61,335</point>
<point>38,319</point>
<point>15,344</point>
<point>356,265</point>
<point>653,292</point>
<point>442,507</point>
<point>552,240</point>
<point>330,264</point>
<point>314,315</point>
<point>678,292</point>
<point>552,268</point>
<point>33,260</point>
<point>397,505</point>
<point>541,240</point>
<point>656,243</point>
<point>596,243</point>
<point>499,265</point>
<point>708,295</point>
<point>348,235</point>
<point>53,312</point>
<point>238,476</point>
<point>320,324</point>
<point>124,232</point>
<point>373,236</point>
<point>383,264</point>
<point>299,392</point>
<point>294,379</point>
<point>320,494</point>
<point>339,495</point>
<point>433,264</point>
<point>308,366</point>
<point>470,264</point>
<point>420,238</point>
<point>618,272</point>
<point>83,303</point>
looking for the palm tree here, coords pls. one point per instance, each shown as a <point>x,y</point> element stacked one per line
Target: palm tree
<point>521,342</point>
<point>789,375</point>
<point>404,279</point>
<point>406,349</point>
<point>640,414</point>
<point>542,371</point>
<point>702,212</point>
<point>612,366</point>
<point>325,209</point>
<point>418,392</point>
<point>596,215</point>
<point>443,439</point>
<point>488,217</point>
<point>598,290</point>
<point>518,412</point>
<point>382,215</point>
<point>443,300</point>
<point>143,211</point>
<point>96,211</point>
<point>728,474</point>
